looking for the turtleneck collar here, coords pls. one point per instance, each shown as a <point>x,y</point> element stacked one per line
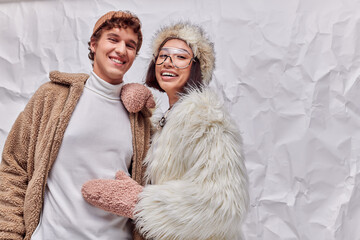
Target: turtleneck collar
<point>103,88</point>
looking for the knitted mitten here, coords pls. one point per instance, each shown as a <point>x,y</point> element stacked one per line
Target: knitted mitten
<point>136,97</point>
<point>117,196</point>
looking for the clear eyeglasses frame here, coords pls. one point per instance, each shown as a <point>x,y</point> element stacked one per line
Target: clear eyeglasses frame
<point>180,56</point>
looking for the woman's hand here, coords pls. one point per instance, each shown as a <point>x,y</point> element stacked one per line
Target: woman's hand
<point>117,196</point>
<point>136,97</point>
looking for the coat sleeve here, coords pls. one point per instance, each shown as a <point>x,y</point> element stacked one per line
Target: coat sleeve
<point>14,174</point>
<point>209,201</point>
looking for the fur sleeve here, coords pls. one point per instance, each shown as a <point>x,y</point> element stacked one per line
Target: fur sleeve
<point>13,173</point>
<point>201,193</point>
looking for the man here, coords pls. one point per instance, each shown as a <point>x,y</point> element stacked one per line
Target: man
<point>75,128</point>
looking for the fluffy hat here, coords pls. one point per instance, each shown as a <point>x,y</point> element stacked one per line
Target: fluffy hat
<point>195,37</point>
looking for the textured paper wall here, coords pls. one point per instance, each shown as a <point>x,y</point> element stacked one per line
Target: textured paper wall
<point>287,70</point>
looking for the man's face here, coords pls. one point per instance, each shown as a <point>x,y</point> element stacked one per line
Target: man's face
<point>114,53</point>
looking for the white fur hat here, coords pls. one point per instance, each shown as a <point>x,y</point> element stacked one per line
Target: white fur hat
<point>195,37</point>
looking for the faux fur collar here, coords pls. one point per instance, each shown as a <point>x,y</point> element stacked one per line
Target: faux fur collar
<point>68,78</point>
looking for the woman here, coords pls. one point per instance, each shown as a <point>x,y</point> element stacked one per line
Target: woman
<point>197,181</point>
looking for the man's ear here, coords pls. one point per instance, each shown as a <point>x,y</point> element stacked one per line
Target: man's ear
<point>93,45</point>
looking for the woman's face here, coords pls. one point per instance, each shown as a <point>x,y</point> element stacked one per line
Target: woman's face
<point>170,78</point>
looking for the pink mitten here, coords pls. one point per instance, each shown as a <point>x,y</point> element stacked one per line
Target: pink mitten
<point>136,97</point>
<point>116,196</point>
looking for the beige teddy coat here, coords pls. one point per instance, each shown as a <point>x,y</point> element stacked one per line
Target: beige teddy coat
<point>32,147</point>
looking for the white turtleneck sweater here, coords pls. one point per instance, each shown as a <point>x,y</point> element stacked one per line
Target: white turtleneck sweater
<point>96,144</point>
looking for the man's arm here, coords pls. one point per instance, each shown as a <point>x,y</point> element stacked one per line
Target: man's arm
<point>18,149</point>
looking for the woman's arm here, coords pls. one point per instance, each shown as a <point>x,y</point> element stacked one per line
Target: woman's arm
<point>209,201</point>
<point>200,184</point>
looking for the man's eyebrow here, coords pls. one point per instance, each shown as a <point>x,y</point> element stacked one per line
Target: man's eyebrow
<point>112,35</point>
<point>132,41</point>
<point>116,35</point>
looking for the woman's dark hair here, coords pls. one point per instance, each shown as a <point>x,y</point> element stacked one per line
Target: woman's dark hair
<point>195,78</point>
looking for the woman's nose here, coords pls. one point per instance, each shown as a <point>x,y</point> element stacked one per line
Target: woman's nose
<point>168,62</point>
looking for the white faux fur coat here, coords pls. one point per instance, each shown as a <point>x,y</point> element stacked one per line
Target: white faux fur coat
<point>199,184</point>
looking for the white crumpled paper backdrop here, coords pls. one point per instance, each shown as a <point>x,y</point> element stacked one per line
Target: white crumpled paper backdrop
<point>287,70</point>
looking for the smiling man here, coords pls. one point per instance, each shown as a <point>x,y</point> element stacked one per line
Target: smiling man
<point>114,51</point>
<point>76,128</point>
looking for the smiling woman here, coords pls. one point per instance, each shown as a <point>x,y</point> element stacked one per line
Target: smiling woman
<point>197,180</point>
<point>171,77</point>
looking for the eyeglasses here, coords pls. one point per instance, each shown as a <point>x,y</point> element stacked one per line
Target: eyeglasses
<point>180,58</point>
